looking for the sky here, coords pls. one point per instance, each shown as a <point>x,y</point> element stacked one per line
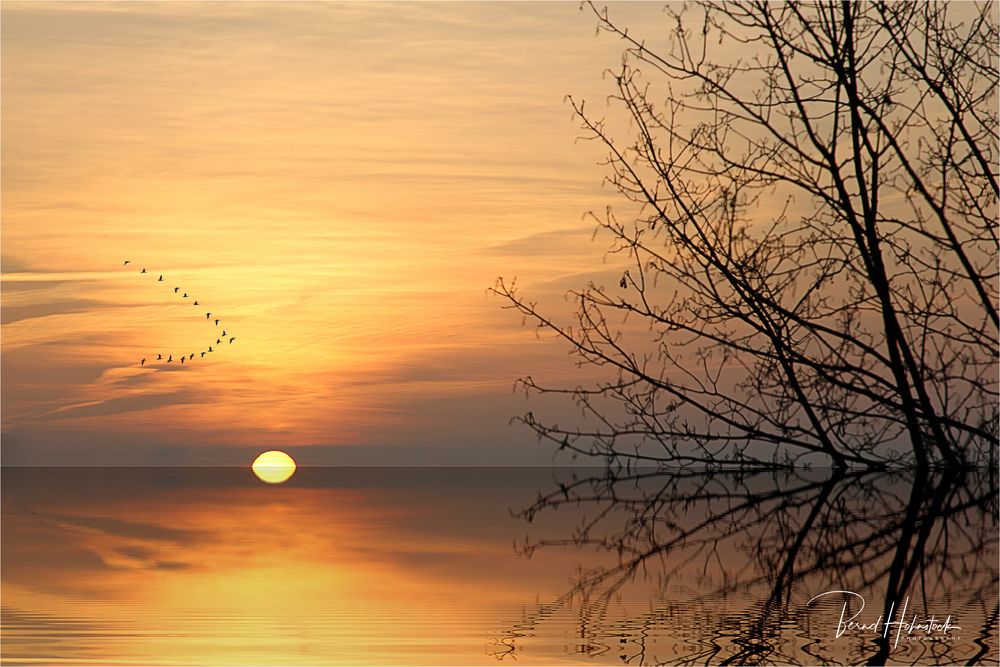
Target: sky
<point>339,183</point>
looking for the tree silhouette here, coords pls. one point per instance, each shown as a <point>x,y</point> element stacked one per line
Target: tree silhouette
<point>814,258</point>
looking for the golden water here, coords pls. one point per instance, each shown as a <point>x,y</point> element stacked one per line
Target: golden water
<point>171,566</point>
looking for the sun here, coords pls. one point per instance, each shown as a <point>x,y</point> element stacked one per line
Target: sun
<point>273,467</point>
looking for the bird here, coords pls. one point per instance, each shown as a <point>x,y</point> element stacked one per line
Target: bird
<point>161,279</point>
<point>622,283</point>
<point>127,262</point>
<point>182,360</point>
<point>159,356</point>
<point>209,348</point>
<point>218,340</point>
<point>196,302</point>
<point>185,295</point>
<point>176,290</point>
<point>170,358</point>
<point>208,315</point>
<point>143,271</point>
<point>232,339</point>
<point>223,332</point>
<point>191,356</point>
<point>216,322</point>
<point>202,354</point>
<point>142,363</point>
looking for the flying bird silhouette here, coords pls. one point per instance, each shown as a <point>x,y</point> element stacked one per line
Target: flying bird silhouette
<point>232,339</point>
<point>208,316</point>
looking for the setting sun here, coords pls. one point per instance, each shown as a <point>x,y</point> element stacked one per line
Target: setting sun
<point>273,467</point>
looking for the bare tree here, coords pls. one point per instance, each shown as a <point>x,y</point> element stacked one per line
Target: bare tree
<point>815,253</point>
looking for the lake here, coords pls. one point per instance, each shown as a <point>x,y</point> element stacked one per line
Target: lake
<point>390,566</point>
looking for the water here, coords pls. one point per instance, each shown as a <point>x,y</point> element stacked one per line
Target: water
<point>483,566</point>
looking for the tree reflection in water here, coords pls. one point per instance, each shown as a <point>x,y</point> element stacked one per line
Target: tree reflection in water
<point>724,566</point>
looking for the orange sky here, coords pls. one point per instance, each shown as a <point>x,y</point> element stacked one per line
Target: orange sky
<point>340,182</point>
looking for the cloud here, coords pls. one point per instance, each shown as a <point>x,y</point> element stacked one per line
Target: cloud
<point>345,194</point>
<point>114,406</point>
<point>557,242</point>
<point>11,314</point>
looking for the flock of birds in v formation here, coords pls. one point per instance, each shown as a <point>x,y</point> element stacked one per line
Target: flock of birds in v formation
<point>208,316</point>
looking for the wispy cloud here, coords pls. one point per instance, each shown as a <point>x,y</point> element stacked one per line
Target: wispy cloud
<point>340,182</point>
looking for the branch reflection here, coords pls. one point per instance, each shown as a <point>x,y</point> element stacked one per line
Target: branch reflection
<point>720,568</point>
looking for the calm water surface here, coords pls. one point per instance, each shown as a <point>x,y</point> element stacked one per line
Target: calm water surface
<point>474,566</point>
